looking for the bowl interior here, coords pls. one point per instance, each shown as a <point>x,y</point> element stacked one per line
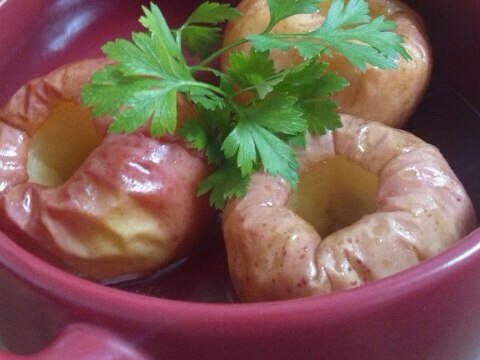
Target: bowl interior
<point>63,31</point>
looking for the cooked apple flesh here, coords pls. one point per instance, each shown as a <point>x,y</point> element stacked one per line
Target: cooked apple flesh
<point>61,144</point>
<point>333,194</point>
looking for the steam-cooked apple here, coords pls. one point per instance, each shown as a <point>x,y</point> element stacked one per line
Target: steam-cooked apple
<point>105,205</point>
<point>372,201</point>
<point>387,96</point>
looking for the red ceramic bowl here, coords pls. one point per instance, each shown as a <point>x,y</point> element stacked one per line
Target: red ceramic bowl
<point>431,311</point>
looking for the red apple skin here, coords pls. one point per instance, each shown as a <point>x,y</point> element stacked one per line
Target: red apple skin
<point>387,96</point>
<point>13,156</point>
<point>421,210</point>
<point>32,103</point>
<point>129,209</point>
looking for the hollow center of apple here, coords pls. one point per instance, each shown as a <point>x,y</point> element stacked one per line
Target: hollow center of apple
<point>333,194</point>
<point>61,144</point>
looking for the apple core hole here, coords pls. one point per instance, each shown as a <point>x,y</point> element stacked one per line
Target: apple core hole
<point>61,144</point>
<point>333,194</point>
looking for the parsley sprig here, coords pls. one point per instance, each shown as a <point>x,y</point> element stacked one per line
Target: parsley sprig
<point>278,107</point>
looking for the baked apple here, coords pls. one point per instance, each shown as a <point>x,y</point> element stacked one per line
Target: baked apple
<point>106,206</point>
<point>372,201</point>
<point>387,96</point>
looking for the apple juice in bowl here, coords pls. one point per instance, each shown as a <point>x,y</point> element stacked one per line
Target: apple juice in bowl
<point>187,268</point>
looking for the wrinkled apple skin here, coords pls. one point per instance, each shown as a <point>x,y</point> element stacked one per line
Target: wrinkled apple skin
<point>387,96</point>
<point>32,103</point>
<point>422,209</point>
<point>13,156</point>
<point>131,206</point>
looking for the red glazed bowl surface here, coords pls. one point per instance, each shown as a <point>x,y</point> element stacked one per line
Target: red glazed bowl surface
<point>431,311</point>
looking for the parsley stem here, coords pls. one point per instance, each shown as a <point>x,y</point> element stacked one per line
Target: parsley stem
<point>303,36</point>
<point>178,37</point>
<point>217,90</point>
<point>222,50</point>
<point>195,68</point>
<point>251,88</point>
<point>269,28</point>
<point>206,85</point>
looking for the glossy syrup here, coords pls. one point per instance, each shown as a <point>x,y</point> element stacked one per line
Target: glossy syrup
<point>202,276</point>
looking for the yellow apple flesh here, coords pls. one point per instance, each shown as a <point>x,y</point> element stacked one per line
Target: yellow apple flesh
<point>333,194</point>
<point>61,144</point>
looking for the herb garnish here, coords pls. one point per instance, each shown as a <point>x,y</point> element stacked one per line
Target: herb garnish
<point>282,106</point>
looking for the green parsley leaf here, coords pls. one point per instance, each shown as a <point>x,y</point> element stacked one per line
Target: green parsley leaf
<point>212,13</point>
<point>252,70</point>
<point>201,40</point>
<point>312,86</point>
<point>352,13</point>
<point>309,79</point>
<point>348,29</point>
<point>149,72</point>
<point>202,95</point>
<point>277,114</point>
<point>240,144</point>
<point>299,141</point>
<point>306,49</point>
<point>278,158</point>
<point>154,21</point>
<point>321,115</point>
<point>225,183</point>
<point>282,9</point>
<point>109,90</point>
<point>254,136</point>
<point>143,85</point>
<point>197,34</point>
<point>194,132</point>
<point>206,130</point>
<point>368,43</point>
<point>158,105</point>
<point>327,84</point>
<point>143,56</point>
